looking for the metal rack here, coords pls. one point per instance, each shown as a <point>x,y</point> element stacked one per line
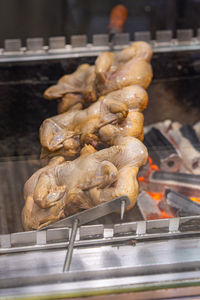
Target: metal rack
<point>78,47</point>
<point>129,257</point>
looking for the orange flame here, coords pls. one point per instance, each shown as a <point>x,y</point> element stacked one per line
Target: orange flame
<point>195,199</point>
<point>156,196</point>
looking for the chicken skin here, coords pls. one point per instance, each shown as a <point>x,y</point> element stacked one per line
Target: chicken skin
<point>80,82</point>
<point>112,71</point>
<point>129,66</point>
<point>61,189</point>
<point>66,133</point>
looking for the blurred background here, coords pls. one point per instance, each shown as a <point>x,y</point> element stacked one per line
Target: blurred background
<point>44,18</point>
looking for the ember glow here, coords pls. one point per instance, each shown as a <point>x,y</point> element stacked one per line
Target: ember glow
<point>156,196</point>
<point>195,199</point>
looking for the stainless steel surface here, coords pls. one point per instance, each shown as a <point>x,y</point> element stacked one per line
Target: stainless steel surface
<point>164,36</point>
<point>13,45</point>
<point>78,47</point>
<point>91,214</point>
<point>57,43</point>
<point>184,35</point>
<point>123,205</point>
<point>78,41</point>
<point>35,44</point>
<point>101,235</point>
<point>70,248</point>
<point>100,40</point>
<point>107,268</point>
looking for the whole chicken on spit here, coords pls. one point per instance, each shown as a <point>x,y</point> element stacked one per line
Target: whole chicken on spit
<point>112,71</point>
<point>62,188</point>
<point>116,113</point>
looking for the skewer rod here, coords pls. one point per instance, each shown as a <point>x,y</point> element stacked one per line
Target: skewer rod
<point>68,257</point>
<point>123,205</point>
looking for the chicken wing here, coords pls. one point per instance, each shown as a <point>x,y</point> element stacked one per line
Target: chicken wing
<point>63,188</point>
<point>79,82</point>
<point>129,66</point>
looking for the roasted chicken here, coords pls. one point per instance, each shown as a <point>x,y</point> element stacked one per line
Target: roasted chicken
<point>129,66</point>
<point>118,112</point>
<point>80,83</point>
<point>112,71</point>
<point>62,188</point>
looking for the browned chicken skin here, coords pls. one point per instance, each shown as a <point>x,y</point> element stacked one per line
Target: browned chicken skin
<point>112,71</point>
<point>65,133</point>
<point>79,82</point>
<point>129,66</point>
<point>64,188</point>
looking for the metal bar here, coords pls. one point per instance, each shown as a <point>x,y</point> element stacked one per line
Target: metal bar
<point>36,51</point>
<point>123,205</point>
<point>142,235</point>
<point>68,257</point>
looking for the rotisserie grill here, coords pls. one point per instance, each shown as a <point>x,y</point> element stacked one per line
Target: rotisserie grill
<point>156,245</point>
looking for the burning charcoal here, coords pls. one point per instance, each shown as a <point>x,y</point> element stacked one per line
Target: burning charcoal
<point>148,207</point>
<point>187,184</point>
<point>189,155</point>
<point>162,126</point>
<point>169,210</point>
<point>161,151</point>
<point>189,133</point>
<point>182,204</point>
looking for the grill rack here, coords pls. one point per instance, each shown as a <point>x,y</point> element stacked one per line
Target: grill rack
<point>79,46</point>
<point>90,235</point>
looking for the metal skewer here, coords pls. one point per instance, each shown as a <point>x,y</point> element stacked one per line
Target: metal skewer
<point>123,205</point>
<point>85,217</point>
<point>68,256</point>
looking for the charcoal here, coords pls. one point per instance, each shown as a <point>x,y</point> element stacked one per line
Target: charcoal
<point>189,133</point>
<point>182,204</point>
<point>148,207</point>
<point>162,151</point>
<point>159,181</point>
<point>189,154</point>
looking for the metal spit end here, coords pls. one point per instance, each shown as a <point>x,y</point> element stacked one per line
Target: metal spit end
<point>68,256</point>
<point>123,205</point>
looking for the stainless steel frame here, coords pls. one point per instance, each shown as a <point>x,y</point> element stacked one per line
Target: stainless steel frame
<point>130,257</point>
<point>134,256</point>
<point>57,48</point>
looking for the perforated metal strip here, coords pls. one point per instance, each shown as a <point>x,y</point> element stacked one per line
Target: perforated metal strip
<point>57,48</point>
<point>99,234</point>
